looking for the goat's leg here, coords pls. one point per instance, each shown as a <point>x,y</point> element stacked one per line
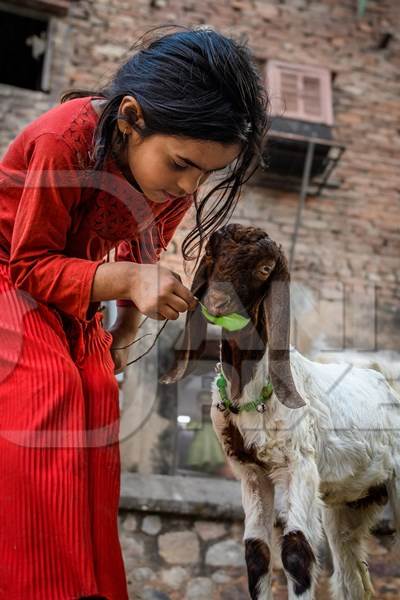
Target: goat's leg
<point>302,531</point>
<point>258,504</point>
<point>347,529</point>
<point>257,500</point>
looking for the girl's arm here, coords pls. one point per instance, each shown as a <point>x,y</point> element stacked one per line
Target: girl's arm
<point>124,331</point>
<point>127,321</point>
<point>153,289</point>
<point>110,283</point>
<point>113,280</point>
<point>51,190</point>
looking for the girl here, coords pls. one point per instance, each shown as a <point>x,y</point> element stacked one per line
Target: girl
<point>117,168</point>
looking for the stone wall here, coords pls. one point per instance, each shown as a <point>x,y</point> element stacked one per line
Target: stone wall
<point>168,557</point>
<point>182,540</point>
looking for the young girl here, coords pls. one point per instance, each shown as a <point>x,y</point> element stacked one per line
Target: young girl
<point>117,168</point>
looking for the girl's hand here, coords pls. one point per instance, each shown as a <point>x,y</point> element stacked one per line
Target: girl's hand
<point>158,293</point>
<point>120,356</point>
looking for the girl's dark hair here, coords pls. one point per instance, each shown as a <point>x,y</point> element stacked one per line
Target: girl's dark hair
<point>195,83</point>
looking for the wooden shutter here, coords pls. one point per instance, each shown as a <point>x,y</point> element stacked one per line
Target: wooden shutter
<point>300,92</point>
<point>56,7</point>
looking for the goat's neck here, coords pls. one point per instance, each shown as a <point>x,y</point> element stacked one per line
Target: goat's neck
<point>240,354</point>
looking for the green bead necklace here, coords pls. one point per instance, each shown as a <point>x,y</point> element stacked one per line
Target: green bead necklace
<point>258,405</point>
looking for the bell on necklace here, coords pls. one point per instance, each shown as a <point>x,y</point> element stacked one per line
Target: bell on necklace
<point>218,367</point>
<point>261,407</point>
<point>221,406</point>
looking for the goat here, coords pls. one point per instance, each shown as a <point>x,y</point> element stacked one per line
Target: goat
<point>321,453</point>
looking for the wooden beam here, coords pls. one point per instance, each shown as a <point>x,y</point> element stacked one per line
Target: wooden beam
<point>53,7</point>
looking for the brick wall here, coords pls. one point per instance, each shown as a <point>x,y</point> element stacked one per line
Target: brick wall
<point>349,241</point>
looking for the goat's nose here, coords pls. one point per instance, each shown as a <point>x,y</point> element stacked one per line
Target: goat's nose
<point>219,306</point>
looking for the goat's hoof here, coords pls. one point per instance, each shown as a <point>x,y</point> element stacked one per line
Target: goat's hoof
<point>261,407</point>
<point>221,406</point>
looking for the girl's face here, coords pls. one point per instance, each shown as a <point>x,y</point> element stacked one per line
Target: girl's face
<point>165,166</point>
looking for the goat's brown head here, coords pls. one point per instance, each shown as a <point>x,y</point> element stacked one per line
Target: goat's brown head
<point>246,272</point>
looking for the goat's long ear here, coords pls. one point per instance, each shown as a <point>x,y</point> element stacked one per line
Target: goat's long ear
<point>194,338</point>
<point>277,317</point>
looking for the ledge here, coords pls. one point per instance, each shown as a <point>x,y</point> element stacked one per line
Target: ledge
<point>198,496</point>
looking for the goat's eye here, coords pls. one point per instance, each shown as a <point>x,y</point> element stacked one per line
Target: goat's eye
<point>264,270</point>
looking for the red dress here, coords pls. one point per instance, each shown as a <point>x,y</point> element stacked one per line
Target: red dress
<point>59,412</point>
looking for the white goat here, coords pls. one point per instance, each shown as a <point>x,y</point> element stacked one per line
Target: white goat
<point>324,448</point>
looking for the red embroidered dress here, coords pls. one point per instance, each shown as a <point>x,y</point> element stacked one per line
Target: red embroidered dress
<point>59,413</point>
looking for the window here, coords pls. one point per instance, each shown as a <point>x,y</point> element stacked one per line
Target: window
<point>26,29</point>
<point>300,92</point>
<point>24,41</point>
<point>198,451</point>
<point>167,429</point>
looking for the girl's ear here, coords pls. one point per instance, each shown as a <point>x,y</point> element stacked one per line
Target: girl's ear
<point>277,321</point>
<point>132,111</point>
<point>193,343</point>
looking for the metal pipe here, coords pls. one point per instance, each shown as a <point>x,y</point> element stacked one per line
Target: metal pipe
<point>303,194</point>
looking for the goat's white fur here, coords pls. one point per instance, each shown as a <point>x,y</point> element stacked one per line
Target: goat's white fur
<point>344,441</point>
